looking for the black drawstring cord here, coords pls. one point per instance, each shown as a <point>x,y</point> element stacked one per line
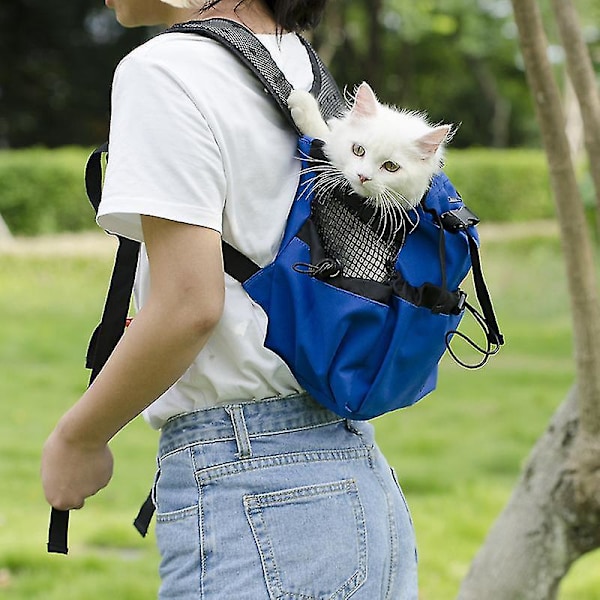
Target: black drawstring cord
<point>324,269</point>
<point>487,321</point>
<point>492,347</point>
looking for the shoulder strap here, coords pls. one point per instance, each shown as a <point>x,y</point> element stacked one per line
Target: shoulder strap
<point>253,54</point>
<point>239,40</point>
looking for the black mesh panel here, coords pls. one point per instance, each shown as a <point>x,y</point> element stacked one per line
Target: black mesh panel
<point>361,251</point>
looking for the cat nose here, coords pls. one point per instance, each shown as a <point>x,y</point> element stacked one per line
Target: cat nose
<point>363,178</point>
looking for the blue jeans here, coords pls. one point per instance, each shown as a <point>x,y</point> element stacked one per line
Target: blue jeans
<point>279,499</point>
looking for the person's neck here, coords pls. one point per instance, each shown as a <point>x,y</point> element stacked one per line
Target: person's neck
<point>251,13</point>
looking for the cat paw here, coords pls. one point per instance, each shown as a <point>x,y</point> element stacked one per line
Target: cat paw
<point>306,114</point>
<point>300,105</point>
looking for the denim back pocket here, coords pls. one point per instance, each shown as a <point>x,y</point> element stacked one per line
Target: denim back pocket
<point>312,540</point>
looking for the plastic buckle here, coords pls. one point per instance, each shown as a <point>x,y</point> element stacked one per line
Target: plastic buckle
<point>458,219</point>
<point>460,303</point>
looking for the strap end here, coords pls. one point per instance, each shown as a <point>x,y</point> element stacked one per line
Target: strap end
<point>57,533</point>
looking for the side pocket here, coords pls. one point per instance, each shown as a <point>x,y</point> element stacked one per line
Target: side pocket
<point>178,527</point>
<point>312,540</point>
<point>178,539</point>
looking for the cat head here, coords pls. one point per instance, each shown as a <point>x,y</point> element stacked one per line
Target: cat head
<point>382,151</point>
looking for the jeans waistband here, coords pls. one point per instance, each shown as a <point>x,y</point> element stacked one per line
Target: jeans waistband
<point>256,417</point>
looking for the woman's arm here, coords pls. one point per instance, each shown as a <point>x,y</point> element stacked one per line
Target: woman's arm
<point>185,304</point>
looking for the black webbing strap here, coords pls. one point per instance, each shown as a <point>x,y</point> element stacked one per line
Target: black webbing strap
<point>236,264</point>
<point>495,338</point>
<point>57,534</point>
<point>142,521</point>
<point>111,327</point>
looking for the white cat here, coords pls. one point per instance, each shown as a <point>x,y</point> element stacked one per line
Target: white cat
<point>387,156</point>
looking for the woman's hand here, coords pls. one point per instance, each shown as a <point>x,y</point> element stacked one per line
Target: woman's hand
<point>184,306</point>
<point>73,471</point>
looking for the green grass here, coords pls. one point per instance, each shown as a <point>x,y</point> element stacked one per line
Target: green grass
<point>457,453</point>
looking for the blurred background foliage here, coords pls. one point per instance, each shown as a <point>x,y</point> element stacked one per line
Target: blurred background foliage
<point>456,59</point>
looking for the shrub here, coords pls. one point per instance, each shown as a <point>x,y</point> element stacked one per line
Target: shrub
<point>502,185</point>
<point>42,191</point>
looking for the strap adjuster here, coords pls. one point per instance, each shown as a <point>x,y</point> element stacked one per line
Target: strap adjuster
<point>458,219</point>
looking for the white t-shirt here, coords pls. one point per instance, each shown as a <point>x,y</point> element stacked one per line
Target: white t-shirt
<point>195,138</point>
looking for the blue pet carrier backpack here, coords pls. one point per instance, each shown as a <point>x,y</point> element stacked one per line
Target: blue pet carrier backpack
<point>361,314</point>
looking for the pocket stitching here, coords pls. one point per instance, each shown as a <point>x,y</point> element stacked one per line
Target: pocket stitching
<point>177,515</point>
<point>253,505</point>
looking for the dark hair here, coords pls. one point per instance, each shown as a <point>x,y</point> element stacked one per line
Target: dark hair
<point>290,15</point>
<point>295,15</point>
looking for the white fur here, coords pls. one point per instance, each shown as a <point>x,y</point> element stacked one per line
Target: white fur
<point>385,134</point>
<point>305,112</point>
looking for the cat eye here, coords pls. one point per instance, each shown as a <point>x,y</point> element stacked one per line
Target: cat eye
<point>391,166</point>
<point>358,150</point>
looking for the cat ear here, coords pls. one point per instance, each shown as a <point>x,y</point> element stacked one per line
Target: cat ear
<point>428,144</point>
<point>365,102</point>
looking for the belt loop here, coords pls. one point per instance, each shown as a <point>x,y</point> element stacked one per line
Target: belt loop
<point>242,439</point>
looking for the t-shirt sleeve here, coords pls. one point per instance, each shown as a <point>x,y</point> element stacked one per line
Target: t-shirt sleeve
<point>163,158</point>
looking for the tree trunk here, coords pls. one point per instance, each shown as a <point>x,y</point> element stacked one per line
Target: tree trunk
<point>583,77</point>
<point>374,59</point>
<point>573,122</point>
<point>576,241</point>
<point>4,230</point>
<point>488,84</point>
<point>554,514</point>
<point>535,541</point>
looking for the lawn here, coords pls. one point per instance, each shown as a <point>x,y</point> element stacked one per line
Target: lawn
<point>457,453</point>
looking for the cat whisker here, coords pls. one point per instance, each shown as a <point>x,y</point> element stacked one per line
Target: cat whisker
<point>324,182</point>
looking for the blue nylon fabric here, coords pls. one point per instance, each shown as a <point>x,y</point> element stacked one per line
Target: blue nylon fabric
<point>356,356</point>
<point>419,259</point>
<point>301,208</point>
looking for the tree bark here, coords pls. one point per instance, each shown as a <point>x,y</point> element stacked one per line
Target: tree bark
<point>576,241</point>
<point>583,77</point>
<point>4,230</point>
<point>553,516</point>
<point>534,542</point>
